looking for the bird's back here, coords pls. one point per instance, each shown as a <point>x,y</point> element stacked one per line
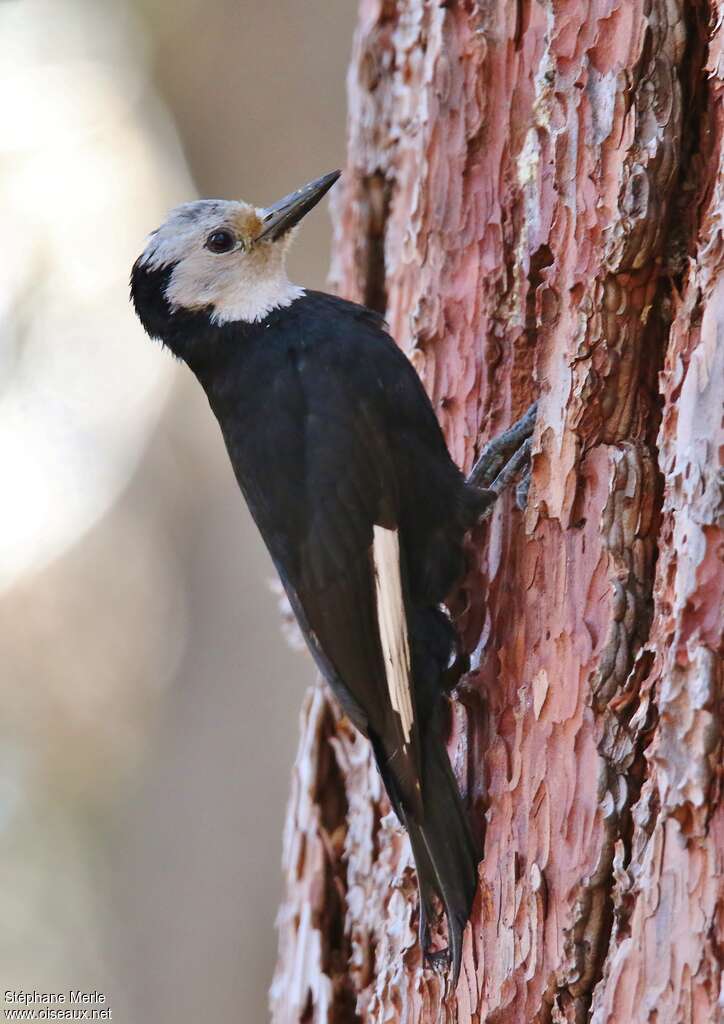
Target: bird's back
<point>319,408</point>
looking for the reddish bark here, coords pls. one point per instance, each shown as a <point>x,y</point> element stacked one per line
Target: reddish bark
<point>527,201</point>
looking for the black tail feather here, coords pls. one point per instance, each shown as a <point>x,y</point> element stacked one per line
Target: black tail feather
<point>442,844</point>
<point>444,851</point>
<point>443,847</point>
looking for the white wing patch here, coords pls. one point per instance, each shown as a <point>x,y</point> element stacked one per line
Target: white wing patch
<point>392,623</point>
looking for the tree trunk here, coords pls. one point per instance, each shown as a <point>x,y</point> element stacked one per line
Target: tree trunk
<point>534,195</point>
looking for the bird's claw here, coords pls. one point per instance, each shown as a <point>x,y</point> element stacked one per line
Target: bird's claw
<point>521,490</point>
<point>502,460</point>
<point>437,959</point>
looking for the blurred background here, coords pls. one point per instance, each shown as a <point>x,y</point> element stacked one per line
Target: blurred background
<point>149,701</point>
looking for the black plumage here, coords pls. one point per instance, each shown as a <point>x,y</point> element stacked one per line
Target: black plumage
<point>330,432</point>
<point>340,457</point>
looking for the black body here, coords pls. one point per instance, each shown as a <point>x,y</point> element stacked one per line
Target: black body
<point>330,432</point>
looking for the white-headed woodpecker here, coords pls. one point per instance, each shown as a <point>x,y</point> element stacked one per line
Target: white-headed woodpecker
<point>340,457</point>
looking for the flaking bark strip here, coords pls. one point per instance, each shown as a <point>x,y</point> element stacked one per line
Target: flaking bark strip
<point>609,369</point>
<point>664,687</point>
<point>628,527</point>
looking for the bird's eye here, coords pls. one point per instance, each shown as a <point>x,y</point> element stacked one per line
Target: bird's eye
<point>220,241</point>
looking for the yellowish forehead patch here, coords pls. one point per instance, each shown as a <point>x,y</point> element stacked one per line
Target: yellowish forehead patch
<point>247,223</point>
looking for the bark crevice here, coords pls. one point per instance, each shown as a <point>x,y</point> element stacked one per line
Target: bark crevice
<point>377,191</point>
<point>624,739</point>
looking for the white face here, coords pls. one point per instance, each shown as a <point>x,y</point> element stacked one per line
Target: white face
<point>218,263</point>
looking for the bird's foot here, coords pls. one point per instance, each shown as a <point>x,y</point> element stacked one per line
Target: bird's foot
<point>502,460</point>
<point>454,673</point>
<point>521,490</point>
<point>437,959</point>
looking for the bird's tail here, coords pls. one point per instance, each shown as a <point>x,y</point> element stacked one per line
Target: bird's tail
<point>442,843</point>
<point>444,850</point>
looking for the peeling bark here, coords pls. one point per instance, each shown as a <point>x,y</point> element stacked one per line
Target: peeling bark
<point>534,195</point>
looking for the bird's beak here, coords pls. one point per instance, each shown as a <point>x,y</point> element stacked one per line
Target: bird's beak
<point>278,218</point>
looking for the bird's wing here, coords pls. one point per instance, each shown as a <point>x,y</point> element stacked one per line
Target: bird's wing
<point>339,453</point>
<point>350,580</point>
<point>318,471</point>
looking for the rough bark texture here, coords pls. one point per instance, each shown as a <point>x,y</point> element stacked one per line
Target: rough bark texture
<point>535,194</point>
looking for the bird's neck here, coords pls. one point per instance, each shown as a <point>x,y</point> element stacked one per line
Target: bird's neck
<point>254,299</point>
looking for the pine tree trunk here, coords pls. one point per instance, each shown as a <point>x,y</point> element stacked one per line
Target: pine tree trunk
<point>534,195</point>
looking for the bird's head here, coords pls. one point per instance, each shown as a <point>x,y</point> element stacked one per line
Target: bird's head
<point>222,258</point>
